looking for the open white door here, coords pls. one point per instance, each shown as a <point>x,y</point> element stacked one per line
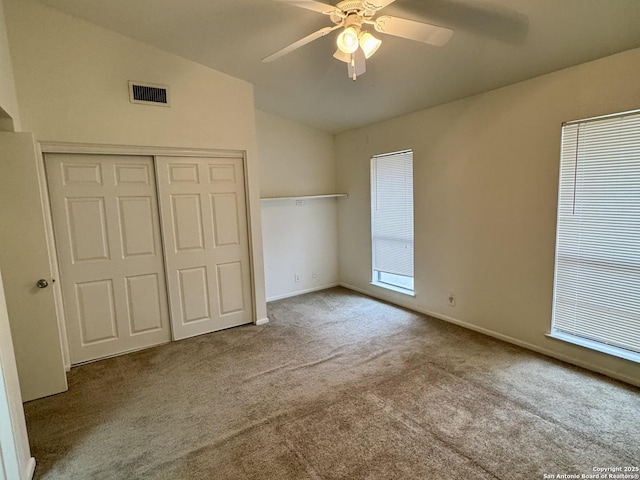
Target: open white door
<point>24,259</point>
<point>204,224</point>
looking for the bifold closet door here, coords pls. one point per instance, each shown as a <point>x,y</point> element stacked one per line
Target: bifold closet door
<point>204,221</point>
<point>107,231</point>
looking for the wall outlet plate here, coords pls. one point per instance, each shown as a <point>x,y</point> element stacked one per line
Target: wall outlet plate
<point>451,299</point>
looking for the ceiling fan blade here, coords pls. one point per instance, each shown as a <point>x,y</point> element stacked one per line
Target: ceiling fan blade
<point>358,64</point>
<point>312,5</point>
<point>377,4</point>
<point>412,30</point>
<point>343,57</point>
<point>300,43</point>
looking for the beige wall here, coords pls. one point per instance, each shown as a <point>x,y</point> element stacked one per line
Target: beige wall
<point>486,178</point>
<point>72,76</point>
<point>298,239</point>
<point>9,118</point>
<point>71,79</point>
<point>294,159</point>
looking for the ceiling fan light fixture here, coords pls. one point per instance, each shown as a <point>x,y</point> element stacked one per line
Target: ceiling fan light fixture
<point>369,44</point>
<point>348,40</point>
<point>355,44</point>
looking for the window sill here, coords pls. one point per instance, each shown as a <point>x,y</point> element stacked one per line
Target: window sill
<point>393,288</point>
<point>597,346</point>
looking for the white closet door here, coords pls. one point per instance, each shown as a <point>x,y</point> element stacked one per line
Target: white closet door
<point>204,221</point>
<point>107,231</point>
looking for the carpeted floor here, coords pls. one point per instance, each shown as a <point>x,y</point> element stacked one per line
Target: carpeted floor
<point>337,386</point>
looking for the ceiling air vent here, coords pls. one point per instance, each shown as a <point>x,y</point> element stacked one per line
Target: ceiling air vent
<point>149,94</point>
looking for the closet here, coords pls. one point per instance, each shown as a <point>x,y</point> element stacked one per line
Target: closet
<point>149,248</point>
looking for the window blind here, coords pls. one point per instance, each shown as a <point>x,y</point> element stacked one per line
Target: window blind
<point>597,278</point>
<point>392,213</point>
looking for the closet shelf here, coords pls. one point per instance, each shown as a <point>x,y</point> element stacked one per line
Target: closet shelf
<point>303,197</point>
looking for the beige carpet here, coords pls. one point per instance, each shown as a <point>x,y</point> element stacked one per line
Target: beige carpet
<point>337,386</point>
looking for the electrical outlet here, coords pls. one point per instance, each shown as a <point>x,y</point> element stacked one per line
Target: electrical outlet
<point>297,277</point>
<point>314,275</point>
<point>452,299</point>
<point>299,203</point>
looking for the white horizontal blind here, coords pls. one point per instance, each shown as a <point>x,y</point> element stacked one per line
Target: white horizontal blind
<point>597,287</point>
<point>392,213</point>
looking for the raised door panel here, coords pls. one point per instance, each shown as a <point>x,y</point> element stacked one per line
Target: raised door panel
<point>87,229</point>
<point>230,288</point>
<point>137,235</point>
<point>186,173</point>
<point>133,174</point>
<point>222,173</point>
<point>186,220</point>
<point>226,228</point>
<point>144,303</point>
<point>96,311</point>
<point>194,295</point>
<point>81,173</point>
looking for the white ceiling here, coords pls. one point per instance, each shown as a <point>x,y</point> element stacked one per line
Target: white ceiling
<point>496,43</point>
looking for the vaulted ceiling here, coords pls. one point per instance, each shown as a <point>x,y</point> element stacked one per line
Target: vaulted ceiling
<point>496,43</point>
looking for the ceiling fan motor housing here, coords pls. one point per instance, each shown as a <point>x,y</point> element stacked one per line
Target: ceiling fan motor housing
<point>358,7</point>
<point>349,6</point>
<point>353,20</point>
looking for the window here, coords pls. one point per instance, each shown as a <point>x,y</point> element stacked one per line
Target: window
<point>597,279</point>
<point>392,220</point>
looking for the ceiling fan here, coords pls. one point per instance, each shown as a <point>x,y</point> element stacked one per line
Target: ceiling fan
<point>355,43</point>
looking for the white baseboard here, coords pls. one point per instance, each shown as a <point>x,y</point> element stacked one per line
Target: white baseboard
<point>506,338</point>
<point>262,321</point>
<point>301,292</point>
<point>31,469</point>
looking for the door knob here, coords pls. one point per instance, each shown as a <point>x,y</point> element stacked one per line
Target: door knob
<point>42,283</point>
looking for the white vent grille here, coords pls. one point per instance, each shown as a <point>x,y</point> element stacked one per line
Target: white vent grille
<point>149,94</point>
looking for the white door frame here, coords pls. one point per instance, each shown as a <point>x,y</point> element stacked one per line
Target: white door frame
<point>102,149</point>
<point>16,461</point>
